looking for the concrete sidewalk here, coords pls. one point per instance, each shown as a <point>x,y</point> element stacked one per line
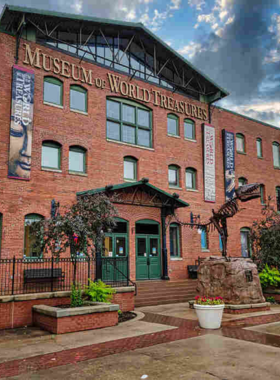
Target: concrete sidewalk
<point>30,349</point>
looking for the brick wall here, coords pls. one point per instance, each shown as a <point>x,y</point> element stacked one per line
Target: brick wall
<point>105,162</point>
<point>75,323</point>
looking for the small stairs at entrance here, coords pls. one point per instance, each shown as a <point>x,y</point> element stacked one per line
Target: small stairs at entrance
<point>150,293</point>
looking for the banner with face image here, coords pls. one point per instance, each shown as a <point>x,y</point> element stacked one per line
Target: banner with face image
<point>19,166</point>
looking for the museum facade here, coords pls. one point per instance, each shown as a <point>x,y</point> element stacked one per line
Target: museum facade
<point>90,105</point>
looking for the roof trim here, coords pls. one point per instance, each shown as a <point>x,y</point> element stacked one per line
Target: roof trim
<point>125,185</point>
<point>114,22</point>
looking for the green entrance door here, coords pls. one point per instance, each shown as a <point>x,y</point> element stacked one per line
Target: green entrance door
<point>148,259</point>
<point>115,254</point>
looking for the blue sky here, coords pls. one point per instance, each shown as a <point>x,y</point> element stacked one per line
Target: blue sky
<point>235,42</point>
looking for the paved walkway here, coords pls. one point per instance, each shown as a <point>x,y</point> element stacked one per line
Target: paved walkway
<point>24,352</point>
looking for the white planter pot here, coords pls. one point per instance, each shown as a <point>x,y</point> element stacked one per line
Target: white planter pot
<point>209,316</point>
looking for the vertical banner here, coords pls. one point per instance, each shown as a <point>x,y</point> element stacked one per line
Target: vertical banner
<point>209,164</point>
<point>229,163</point>
<point>21,126</point>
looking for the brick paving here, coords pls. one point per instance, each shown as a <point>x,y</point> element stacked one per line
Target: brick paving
<point>186,329</point>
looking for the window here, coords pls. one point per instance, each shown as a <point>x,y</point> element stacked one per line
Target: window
<point>78,98</point>
<point>129,122</point>
<point>189,129</point>
<point>204,240</point>
<point>240,143</point>
<point>259,148</point>
<point>276,156</point>
<point>172,125</point>
<point>51,155</point>
<point>1,222</point>
<point>77,159</point>
<point>115,244</point>
<point>53,91</point>
<point>262,191</point>
<point>130,169</point>
<point>29,239</point>
<point>173,175</point>
<point>245,242</point>
<point>278,198</point>
<point>174,231</point>
<point>190,178</point>
<point>242,181</point>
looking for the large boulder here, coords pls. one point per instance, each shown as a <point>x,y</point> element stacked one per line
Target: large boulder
<point>234,279</point>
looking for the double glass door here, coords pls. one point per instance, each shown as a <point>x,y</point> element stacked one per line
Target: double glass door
<point>147,257</point>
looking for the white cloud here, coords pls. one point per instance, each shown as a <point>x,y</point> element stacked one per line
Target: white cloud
<point>275,26</point>
<point>272,57</point>
<point>208,18</point>
<point>215,26</point>
<point>198,4</point>
<point>191,49</point>
<point>175,4</point>
<point>131,15</point>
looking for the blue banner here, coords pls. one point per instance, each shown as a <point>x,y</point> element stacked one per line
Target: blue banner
<point>19,166</point>
<point>229,163</point>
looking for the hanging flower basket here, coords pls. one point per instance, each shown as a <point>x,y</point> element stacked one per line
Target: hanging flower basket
<point>209,311</point>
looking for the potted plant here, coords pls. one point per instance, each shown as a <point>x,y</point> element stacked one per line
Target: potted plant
<point>209,311</point>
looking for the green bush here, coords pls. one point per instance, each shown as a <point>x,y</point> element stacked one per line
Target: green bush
<point>269,277</point>
<point>271,299</point>
<point>99,291</point>
<point>76,296</point>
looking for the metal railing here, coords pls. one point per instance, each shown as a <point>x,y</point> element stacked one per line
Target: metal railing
<point>24,276</point>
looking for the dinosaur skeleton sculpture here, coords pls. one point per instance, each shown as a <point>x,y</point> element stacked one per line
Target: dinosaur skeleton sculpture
<point>218,220</point>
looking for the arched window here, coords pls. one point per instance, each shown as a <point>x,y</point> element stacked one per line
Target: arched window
<point>189,129</point>
<point>130,168</point>
<point>173,175</point>
<point>174,234</point>
<point>240,143</point>
<point>53,91</point>
<point>78,98</point>
<point>259,148</point>
<point>191,178</point>
<point>262,191</point>
<point>242,181</point>
<point>1,224</point>
<point>51,155</point>
<point>172,125</point>
<point>276,155</point>
<point>245,242</point>
<point>77,159</point>
<point>278,197</point>
<point>30,250</point>
<point>129,122</point>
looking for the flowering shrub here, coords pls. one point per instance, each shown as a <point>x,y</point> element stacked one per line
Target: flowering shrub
<point>209,300</point>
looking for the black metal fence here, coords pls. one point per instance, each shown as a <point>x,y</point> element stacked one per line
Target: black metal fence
<point>22,276</point>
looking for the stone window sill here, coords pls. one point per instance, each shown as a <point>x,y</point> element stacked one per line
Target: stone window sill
<point>170,135</point>
<point>193,190</point>
<point>205,250</point>
<point>130,180</point>
<point>244,153</point>
<point>176,259</point>
<point>53,105</point>
<point>80,112</point>
<point>77,173</point>
<point>132,145</point>
<point>175,187</point>
<point>191,140</point>
<point>51,170</point>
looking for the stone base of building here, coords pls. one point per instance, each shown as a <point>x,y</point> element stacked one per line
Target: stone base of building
<point>249,308</point>
<point>60,321</point>
<point>16,311</point>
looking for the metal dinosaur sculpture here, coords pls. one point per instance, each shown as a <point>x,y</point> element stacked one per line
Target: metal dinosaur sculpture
<point>219,219</point>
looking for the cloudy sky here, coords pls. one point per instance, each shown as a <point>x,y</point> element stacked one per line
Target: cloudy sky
<point>234,42</point>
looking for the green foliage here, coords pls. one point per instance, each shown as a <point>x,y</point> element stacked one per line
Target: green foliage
<point>119,312</point>
<point>265,238</point>
<point>99,291</point>
<point>271,299</point>
<point>269,277</point>
<point>76,296</point>
<point>209,300</point>
<point>81,227</point>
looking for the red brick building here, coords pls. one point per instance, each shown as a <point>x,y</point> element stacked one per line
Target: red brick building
<point>108,103</point>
